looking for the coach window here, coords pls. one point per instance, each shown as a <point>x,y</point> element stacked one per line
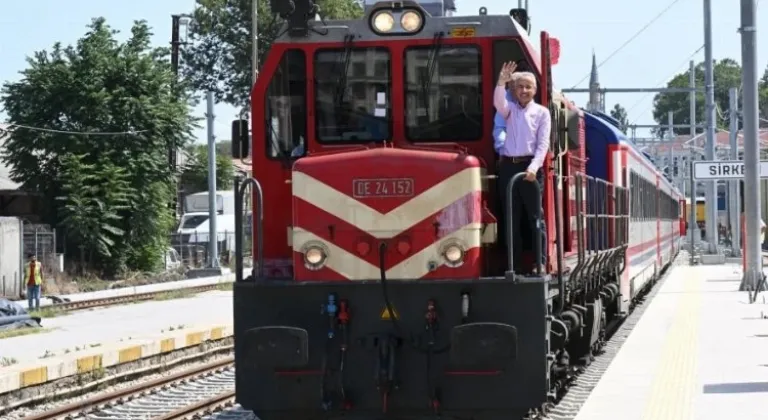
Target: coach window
<point>352,95</point>
<point>285,105</point>
<point>443,89</point>
<point>633,196</point>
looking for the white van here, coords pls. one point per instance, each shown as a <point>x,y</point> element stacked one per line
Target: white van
<point>198,202</point>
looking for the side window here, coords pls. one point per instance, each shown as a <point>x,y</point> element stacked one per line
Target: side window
<point>285,124</point>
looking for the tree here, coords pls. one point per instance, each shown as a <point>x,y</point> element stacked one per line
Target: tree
<point>620,114</point>
<point>93,197</point>
<point>218,58</point>
<point>727,74</point>
<point>194,175</point>
<point>113,188</point>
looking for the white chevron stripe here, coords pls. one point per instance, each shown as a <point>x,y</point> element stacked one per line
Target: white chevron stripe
<point>414,267</point>
<point>400,219</point>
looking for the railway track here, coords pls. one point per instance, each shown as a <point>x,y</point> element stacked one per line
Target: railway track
<point>116,300</point>
<point>200,391</point>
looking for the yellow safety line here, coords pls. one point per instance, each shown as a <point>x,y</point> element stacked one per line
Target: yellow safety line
<point>675,380</point>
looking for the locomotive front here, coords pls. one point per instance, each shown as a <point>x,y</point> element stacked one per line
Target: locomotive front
<point>388,312</point>
<point>411,214</point>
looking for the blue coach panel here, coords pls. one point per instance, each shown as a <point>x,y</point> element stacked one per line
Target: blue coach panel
<point>600,133</point>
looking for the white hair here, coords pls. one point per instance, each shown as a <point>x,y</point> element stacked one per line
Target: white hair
<point>524,75</point>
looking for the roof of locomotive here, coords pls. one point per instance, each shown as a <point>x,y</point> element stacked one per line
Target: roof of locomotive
<point>484,25</point>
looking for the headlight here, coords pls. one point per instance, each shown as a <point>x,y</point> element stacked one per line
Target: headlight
<point>410,21</point>
<point>383,22</point>
<point>315,256</point>
<point>453,254</point>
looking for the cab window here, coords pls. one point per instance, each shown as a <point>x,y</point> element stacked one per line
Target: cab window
<point>507,50</point>
<point>285,106</point>
<point>443,88</point>
<point>352,95</point>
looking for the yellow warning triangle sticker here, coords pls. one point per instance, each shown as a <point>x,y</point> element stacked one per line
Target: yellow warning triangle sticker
<point>387,315</point>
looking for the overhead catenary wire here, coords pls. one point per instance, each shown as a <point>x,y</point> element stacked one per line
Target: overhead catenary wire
<point>662,83</point>
<point>76,133</point>
<point>632,38</point>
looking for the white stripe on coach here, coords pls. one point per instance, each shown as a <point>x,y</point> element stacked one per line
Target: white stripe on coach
<point>414,267</point>
<point>398,220</point>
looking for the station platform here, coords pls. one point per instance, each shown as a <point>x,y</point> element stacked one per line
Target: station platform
<point>699,352</point>
<point>70,343</point>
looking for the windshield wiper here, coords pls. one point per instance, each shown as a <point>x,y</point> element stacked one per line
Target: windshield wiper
<point>431,66</point>
<point>344,60</point>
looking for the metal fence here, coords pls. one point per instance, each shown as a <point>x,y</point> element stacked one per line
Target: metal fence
<point>10,256</point>
<point>40,240</point>
<point>194,252</point>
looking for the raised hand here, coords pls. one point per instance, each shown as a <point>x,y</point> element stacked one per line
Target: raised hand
<point>505,75</point>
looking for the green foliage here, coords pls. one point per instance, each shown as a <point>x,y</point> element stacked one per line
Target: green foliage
<point>727,74</point>
<point>218,58</point>
<point>94,196</point>
<point>194,175</point>
<point>110,192</point>
<point>620,114</point>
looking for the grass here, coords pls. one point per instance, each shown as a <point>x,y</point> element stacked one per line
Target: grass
<point>7,361</point>
<point>225,287</point>
<point>175,294</point>
<point>22,332</point>
<point>184,293</point>
<point>47,312</point>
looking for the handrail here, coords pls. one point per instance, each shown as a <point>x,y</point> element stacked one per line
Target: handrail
<point>510,226</point>
<point>239,193</point>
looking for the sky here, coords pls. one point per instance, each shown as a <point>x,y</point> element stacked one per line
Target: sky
<point>603,26</point>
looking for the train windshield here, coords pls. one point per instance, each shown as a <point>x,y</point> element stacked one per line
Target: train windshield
<point>444,100</point>
<point>352,95</point>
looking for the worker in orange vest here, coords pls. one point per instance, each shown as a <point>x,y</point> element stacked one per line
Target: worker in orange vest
<point>34,276</point>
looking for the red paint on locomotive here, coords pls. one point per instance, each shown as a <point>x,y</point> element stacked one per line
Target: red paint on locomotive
<point>285,212</point>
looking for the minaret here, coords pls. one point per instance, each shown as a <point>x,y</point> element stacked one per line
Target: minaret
<point>594,88</point>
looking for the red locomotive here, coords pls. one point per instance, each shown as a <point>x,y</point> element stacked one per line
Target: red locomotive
<point>380,289</point>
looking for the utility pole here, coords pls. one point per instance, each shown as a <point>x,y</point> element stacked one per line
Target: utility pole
<point>693,226</point>
<point>734,205</point>
<point>175,46</point>
<point>709,85</point>
<point>671,137</point>
<point>255,37</point>
<point>213,233</point>
<point>753,274</point>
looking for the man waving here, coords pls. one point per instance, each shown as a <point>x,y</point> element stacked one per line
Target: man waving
<point>523,149</point>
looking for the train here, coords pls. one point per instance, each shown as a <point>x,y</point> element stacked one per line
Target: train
<point>380,286</point>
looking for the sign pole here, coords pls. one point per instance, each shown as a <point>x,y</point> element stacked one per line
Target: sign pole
<point>753,274</point>
<point>733,186</point>
<point>693,227</point>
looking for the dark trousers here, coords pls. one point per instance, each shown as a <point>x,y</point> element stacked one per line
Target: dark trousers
<point>526,215</point>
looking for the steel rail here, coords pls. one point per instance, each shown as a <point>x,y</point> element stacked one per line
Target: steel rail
<point>138,297</point>
<point>221,401</point>
<point>93,403</point>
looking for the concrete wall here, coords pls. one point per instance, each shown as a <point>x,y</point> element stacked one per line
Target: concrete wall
<point>10,256</point>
